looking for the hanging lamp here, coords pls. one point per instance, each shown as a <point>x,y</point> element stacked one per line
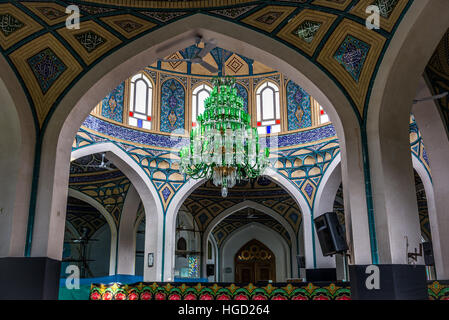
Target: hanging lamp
<point>224,147</point>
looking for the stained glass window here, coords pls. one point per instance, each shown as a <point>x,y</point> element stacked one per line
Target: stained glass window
<point>193,266</point>
<point>198,96</point>
<point>268,108</point>
<point>323,116</point>
<point>209,250</point>
<point>140,102</point>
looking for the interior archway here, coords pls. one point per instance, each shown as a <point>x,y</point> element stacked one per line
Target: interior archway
<point>97,83</point>
<point>148,194</point>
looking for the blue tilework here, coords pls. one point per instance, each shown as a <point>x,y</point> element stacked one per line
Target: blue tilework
<point>298,107</point>
<point>112,104</point>
<point>172,106</point>
<point>153,139</point>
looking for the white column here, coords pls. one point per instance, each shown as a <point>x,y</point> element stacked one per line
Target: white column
<point>436,142</point>
<point>127,238</point>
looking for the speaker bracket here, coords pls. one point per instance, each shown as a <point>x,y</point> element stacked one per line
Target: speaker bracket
<point>414,255</point>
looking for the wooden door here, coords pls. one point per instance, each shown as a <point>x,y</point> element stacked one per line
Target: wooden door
<point>254,262</point>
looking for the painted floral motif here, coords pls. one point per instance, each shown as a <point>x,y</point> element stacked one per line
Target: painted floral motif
<point>242,92</point>
<point>47,68</point>
<point>172,106</point>
<point>9,24</point>
<point>178,291</point>
<point>351,55</point>
<point>298,107</point>
<point>112,105</point>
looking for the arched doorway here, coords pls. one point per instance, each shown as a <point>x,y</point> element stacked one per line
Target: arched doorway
<point>254,262</point>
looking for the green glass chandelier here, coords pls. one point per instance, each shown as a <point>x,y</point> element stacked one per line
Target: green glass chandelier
<point>224,147</point>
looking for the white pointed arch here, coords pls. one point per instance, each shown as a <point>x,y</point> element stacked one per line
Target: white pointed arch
<point>273,240</point>
<point>17,142</point>
<point>435,137</point>
<point>93,86</point>
<point>387,129</point>
<point>109,220</point>
<point>329,184</point>
<point>270,212</point>
<point>271,174</point>
<point>200,92</point>
<point>148,194</point>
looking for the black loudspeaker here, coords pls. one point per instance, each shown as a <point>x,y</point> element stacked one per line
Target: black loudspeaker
<point>428,253</point>
<point>330,234</point>
<point>301,261</point>
<point>210,270</point>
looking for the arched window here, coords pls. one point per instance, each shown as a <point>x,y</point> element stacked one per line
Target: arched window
<point>268,109</point>
<point>198,96</point>
<point>182,244</point>
<point>323,116</point>
<point>140,101</point>
<point>209,250</point>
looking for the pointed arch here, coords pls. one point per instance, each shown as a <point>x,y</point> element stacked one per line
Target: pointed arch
<point>148,194</point>
<point>77,103</point>
<point>18,136</point>
<point>263,234</point>
<point>109,220</point>
<point>387,128</point>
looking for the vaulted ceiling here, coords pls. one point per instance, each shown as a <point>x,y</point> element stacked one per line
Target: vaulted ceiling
<point>106,186</point>
<point>49,58</point>
<point>437,75</point>
<point>206,203</point>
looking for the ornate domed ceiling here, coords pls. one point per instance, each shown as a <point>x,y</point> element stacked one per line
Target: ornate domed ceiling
<point>244,217</point>
<point>106,186</point>
<point>206,203</point>
<point>437,73</point>
<point>228,63</point>
<point>49,59</point>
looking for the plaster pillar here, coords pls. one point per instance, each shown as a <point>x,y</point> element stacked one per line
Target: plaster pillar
<point>436,142</point>
<point>127,237</point>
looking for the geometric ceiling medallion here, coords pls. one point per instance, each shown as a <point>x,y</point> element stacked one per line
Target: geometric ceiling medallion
<point>163,16</point>
<point>89,44</point>
<point>15,25</point>
<point>235,64</point>
<point>306,30</point>
<point>95,10</point>
<point>351,55</point>
<point>335,4</point>
<point>47,68</point>
<point>50,12</point>
<point>269,17</point>
<point>390,11</point>
<point>233,13</point>
<point>174,64</point>
<point>90,40</point>
<point>9,24</point>
<point>386,7</point>
<point>129,25</point>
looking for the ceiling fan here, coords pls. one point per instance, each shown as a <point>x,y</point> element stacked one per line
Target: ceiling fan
<point>250,214</point>
<point>439,96</point>
<point>102,165</point>
<point>198,57</point>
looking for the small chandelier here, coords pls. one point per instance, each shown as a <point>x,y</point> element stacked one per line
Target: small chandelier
<point>224,147</point>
